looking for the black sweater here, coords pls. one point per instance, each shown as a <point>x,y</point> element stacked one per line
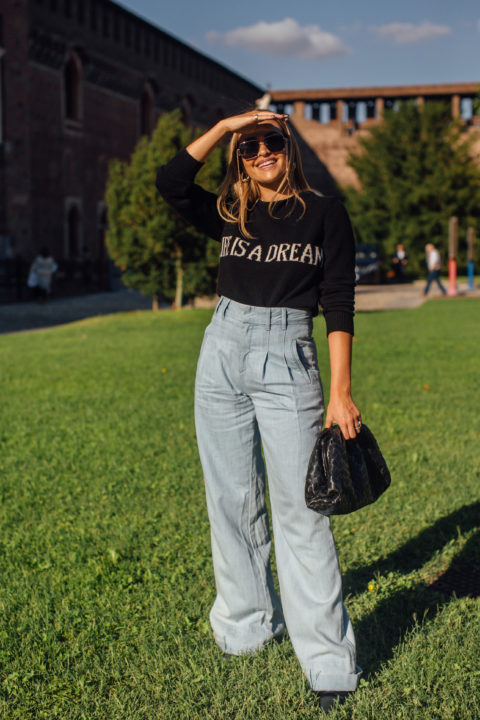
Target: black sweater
<point>295,261</point>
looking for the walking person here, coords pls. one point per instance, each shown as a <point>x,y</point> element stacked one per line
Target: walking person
<point>433,267</point>
<point>400,262</point>
<point>283,249</point>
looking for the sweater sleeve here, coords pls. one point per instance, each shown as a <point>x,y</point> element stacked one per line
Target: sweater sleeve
<point>337,286</point>
<point>175,182</point>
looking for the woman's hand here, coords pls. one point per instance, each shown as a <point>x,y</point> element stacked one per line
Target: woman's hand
<point>343,411</point>
<point>249,120</point>
<point>201,148</point>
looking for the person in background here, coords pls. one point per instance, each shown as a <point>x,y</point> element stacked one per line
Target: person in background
<point>433,267</point>
<point>400,262</point>
<point>43,268</point>
<point>283,249</point>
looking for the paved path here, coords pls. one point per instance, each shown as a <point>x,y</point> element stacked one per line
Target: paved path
<point>31,316</point>
<point>399,297</point>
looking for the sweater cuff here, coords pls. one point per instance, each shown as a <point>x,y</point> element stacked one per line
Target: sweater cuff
<point>337,320</point>
<point>186,162</point>
<point>179,171</point>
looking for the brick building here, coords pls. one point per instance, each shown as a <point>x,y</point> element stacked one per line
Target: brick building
<point>81,81</point>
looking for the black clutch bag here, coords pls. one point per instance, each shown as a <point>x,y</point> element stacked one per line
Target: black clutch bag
<point>345,475</point>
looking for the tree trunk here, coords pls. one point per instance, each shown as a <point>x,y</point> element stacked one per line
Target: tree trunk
<point>155,302</point>
<point>178,302</point>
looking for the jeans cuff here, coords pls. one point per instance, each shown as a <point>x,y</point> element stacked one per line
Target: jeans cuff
<point>330,682</point>
<point>241,646</point>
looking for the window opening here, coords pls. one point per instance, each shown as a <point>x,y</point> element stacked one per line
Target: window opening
<point>93,15</point>
<point>137,39</point>
<point>72,90</point>
<point>116,27</point>
<point>73,222</point>
<point>146,111</point>
<point>2,51</point>
<point>105,23</point>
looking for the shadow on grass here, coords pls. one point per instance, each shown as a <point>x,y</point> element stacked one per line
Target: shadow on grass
<point>382,629</point>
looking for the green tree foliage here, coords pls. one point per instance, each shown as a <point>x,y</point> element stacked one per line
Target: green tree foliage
<point>416,170</point>
<point>158,252</point>
<point>476,103</point>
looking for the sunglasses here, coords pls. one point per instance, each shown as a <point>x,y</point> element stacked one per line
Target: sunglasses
<point>274,142</point>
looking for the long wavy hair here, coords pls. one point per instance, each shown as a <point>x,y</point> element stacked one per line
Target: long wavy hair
<point>239,192</point>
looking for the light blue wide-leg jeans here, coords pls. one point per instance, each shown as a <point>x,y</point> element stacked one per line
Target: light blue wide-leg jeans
<point>258,385</point>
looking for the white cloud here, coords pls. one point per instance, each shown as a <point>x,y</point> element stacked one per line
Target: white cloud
<point>352,29</point>
<point>405,33</point>
<point>285,37</point>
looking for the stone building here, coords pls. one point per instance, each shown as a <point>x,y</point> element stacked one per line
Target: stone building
<point>331,121</point>
<point>81,81</point>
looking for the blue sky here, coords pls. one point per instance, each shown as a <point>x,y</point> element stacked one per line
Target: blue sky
<point>309,43</point>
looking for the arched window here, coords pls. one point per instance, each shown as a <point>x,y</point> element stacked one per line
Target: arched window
<point>73,232</point>
<point>2,52</point>
<point>72,88</point>
<point>187,107</point>
<point>146,110</point>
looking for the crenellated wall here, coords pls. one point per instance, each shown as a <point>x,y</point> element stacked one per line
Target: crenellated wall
<point>332,121</point>
<point>82,81</point>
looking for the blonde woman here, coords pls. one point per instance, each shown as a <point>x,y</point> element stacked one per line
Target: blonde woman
<point>283,250</point>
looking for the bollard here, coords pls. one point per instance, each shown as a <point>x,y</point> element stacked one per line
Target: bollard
<point>470,258</point>
<point>452,256</point>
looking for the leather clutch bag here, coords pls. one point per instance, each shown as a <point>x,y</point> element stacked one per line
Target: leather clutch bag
<point>345,475</point>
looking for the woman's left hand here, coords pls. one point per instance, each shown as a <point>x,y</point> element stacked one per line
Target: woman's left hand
<point>343,411</point>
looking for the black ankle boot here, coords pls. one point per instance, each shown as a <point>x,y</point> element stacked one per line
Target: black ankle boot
<point>329,700</point>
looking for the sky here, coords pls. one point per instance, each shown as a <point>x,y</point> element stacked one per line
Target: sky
<point>313,44</point>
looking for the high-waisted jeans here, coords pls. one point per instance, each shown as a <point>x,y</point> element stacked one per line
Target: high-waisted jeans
<point>258,386</point>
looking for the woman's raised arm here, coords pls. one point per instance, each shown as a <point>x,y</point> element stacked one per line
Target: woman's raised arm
<point>201,148</point>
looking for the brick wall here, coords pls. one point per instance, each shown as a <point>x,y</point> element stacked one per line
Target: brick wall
<point>15,150</point>
<point>53,166</point>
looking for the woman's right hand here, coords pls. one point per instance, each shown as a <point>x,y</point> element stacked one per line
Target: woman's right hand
<point>248,120</point>
<point>201,148</point>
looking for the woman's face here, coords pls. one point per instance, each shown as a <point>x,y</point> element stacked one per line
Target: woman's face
<point>268,166</point>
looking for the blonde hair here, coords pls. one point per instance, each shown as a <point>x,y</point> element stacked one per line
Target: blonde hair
<point>239,192</point>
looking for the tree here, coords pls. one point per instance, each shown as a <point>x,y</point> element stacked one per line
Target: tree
<point>416,170</point>
<point>158,252</point>
<point>476,103</point>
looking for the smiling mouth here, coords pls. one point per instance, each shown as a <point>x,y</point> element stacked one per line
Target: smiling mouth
<point>266,164</point>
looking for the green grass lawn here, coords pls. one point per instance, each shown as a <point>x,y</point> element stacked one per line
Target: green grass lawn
<point>104,542</point>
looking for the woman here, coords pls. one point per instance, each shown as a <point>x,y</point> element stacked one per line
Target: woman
<point>41,271</point>
<point>283,250</point>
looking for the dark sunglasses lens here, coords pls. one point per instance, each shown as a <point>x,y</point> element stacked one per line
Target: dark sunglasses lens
<point>275,142</point>
<point>249,148</point>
